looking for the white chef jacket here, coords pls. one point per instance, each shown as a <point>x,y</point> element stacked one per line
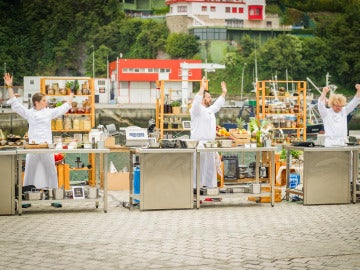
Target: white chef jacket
<point>203,128</point>
<point>335,124</point>
<point>40,169</point>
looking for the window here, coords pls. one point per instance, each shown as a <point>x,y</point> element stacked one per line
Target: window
<point>32,82</point>
<point>209,33</point>
<point>203,8</point>
<point>227,10</point>
<point>241,10</point>
<point>101,82</point>
<point>269,24</point>
<point>234,9</point>
<point>182,9</point>
<point>212,9</point>
<point>255,12</point>
<point>234,23</point>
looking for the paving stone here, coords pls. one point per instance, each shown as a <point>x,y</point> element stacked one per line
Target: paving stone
<point>246,236</point>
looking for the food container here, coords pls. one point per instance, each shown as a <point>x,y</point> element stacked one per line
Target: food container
<point>189,143</point>
<point>58,193</point>
<point>168,143</point>
<point>92,193</point>
<point>208,145</point>
<point>226,143</point>
<point>33,195</point>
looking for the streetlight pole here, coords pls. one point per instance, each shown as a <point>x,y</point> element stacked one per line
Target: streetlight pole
<point>242,81</point>
<point>93,64</point>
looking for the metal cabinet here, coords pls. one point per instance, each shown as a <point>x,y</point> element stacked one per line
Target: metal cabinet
<point>327,174</point>
<point>166,178</point>
<point>7,182</point>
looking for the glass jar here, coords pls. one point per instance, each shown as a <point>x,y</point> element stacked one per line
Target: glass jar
<point>67,123</point>
<point>53,124</point>
<point>59,123</point>
<point>76,125</point>
<point>81,123</point>
<point>87,123</point>
<point>282,123</point>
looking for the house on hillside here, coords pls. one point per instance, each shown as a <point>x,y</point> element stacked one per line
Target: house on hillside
<point>222,19</point>
<point>133,81</point>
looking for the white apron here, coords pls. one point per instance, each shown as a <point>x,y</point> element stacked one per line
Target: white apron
<point>40,169</point>
<point>203,128</point>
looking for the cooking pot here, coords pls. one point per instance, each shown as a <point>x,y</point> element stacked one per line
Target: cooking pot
<point>168,143</point>
<point>189,143</point>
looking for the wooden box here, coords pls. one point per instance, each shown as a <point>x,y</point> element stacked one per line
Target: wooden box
<point>239,138</point>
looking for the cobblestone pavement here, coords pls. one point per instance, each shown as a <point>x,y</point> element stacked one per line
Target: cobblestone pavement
<point>245,236</point>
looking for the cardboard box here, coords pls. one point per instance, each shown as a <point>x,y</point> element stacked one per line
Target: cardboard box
<point>118,181</point>
<point>109,141</point>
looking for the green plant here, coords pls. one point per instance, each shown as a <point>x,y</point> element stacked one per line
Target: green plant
<point>240,122</point>
<point>70,84</point>
<point>294,154</point>
<point>175,103</point>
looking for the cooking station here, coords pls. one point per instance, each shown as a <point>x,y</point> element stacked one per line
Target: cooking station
<point>166,178</point>
<point>327,174</point>
<point>255,170</point>
<point>102,175</point>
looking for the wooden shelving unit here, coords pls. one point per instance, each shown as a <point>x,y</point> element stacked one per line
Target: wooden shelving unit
<point>285,109</point>
<point>81,95</point>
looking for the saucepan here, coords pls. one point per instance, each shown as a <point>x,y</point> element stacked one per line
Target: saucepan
<point>189,143</point>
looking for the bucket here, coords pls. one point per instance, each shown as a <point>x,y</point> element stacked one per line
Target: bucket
<point>294,180</point>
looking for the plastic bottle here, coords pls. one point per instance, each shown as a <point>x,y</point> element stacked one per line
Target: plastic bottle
<point>136,181</point>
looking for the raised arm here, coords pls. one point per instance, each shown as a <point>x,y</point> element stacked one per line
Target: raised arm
<point>357,86</point>
<point>224,89</point>
<point>202,87</point>
<point>324,93</point>
<point>9,83</point>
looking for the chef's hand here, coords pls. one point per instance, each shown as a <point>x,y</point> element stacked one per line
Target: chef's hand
<point>223,89</point>
<point>357,86</point>
<point>204,84</point>
<point>70,98</point>
<point>8,79</point>
<point>326,90</point>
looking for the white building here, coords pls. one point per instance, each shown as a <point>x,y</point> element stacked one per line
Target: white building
<point>243,14</point>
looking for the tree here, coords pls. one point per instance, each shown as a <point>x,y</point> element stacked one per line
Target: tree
<point>180,45</point>
<point>150,39</point>
<point>280,54</point>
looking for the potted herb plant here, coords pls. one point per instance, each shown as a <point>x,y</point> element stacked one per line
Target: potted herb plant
<point>175,105</point>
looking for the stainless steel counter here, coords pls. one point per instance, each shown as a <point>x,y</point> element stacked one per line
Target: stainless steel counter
<point>166,177</point>
<point>103,168</point>
<point>7,182</point>
<point>327,173</point>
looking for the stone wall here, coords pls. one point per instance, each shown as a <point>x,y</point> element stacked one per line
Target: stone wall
<point>124,117</point>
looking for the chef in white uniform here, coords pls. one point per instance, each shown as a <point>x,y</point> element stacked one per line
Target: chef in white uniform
<point>40,169</point>
<point>203,128</point>
<point>335,117</point>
